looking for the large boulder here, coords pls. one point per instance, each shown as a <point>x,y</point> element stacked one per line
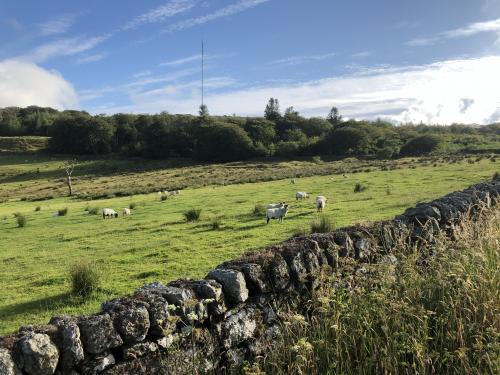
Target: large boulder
<point>98,333</point>
<point>233,284</point>
<point>35,354</point>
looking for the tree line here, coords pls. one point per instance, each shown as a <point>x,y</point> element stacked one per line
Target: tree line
<point>231,138</point>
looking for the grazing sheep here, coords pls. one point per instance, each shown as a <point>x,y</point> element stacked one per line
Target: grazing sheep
<point>276,213</point>
<point>275,205</point>
<point>321,198</point>
<point>173,192</point>
<point>320,204</point>
<point>109,212</point>
<point>301,195</point>
<point>126,212</point>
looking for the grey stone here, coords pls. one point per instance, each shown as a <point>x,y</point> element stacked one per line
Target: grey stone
<point>70,346</point>
<point>98,333</point>
<point>254,277</point>
<point>97,364</point>
<point>167,341</point>
<point>139,350</point>
<point>7,365</point>
<point>363,249</point>
<point>161,323</point>
<point>423,212</point>
<point>238,328</point>
<point>173,295</point>
<point>233,284</point>
<point>131,320</point>
<point>36,354</point>
<point>208,289</point>
<point>280,274</point>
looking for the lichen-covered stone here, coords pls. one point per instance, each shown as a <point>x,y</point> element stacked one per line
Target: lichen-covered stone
<point>36,354</point>
<point>233,284</point>
<point>139,350</point>
<point>131,318</point>
<point>97,364</point>
<point>70,346</point>
<point>7,365</point>
<point>280,275</point>
<point>255,278</point>
<point>238,327</point>
<point>98,333</point>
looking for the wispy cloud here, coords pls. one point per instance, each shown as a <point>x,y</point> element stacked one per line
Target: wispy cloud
<point>161,13</point>
<point>361,54</point>
<point>189,59</point>
<point>296,60</point>
<point>91,58</point>
<point>58,25</point>
<point>13,23</point>
<point>226,11</point>
<point>492,26</point>
<point>442,93</point>
<point>64,47</point>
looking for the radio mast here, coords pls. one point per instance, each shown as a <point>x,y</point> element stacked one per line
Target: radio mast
<point>202,71</point>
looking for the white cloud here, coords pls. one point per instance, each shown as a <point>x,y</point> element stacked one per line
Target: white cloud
<point>296,60</point>
<point>161,13</point>
<point>91,58</point>
<point>492,26</point>
<point>57,25</point>
<point>226,11</point>
<point>189,59</point>
<point>64,47</point>
<point>434,93</point>
<point>361,54</point>
<point>23,83</point>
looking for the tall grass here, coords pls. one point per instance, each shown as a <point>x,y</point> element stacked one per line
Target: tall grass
<point>85,278</point>
<point>442,317</point>
<point>192,214</point>
<point>323,225</point>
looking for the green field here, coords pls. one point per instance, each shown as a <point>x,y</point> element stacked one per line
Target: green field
<point>156,243</point>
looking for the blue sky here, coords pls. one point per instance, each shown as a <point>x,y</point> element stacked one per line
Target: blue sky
<point>401,60</point>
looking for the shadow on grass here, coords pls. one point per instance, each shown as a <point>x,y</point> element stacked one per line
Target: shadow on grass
<point>42,304</point>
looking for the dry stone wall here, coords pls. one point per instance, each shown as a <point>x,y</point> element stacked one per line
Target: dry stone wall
<point>233,315</point>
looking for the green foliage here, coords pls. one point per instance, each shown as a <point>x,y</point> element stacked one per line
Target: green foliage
<point>216,223</point>
<point>85,278</point>
<point>272,111</point>
<point>259,210</point>
<point>93,210</point>
<point>20,219</point>
<point>163,197</point>
<point>323,225</point>
<point>62,211</point>
<point>359,187</point>
<point>421,145</point>
<point>37,208</point>
<point>192,214</point>
<point>132,205</point>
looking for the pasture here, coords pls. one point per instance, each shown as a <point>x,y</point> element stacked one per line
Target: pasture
<point>156,242</point>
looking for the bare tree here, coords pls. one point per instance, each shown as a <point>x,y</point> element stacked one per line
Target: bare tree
<point>69,167</point>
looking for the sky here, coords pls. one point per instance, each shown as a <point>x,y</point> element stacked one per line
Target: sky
<point>428,61</point>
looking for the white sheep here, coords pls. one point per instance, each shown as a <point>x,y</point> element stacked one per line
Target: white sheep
<point>276,213</point>
<point>126,212</point>
<point>320,204</point>
<point>173,192</point>
<point>301,195</point>
<point>321,198</point>
<point>109,212</point>
<point>275,205</point>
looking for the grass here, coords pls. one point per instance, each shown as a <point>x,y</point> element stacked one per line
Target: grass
<point>62,211</point>
<point>193,214</point>
<point>21,220</point>
<point>157,243</point>
<point>439,318</point>
<point>85,278</point>
<point>323,225</point>
<point>23,144</point>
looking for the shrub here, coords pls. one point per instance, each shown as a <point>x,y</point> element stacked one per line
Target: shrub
<point>323,225</point>
<point>216,223</point>
<point>316,159</point>
<point>132,205</point>
<point>163,197</point>
<point>62,212</point>
<point>37,208</point>
<point>192,214</point>
<point>259,210</point>
<point>359,187</point>
<point>85,278</point>
<point>388,191</point>
<point>420,145</point>
<point>21,220</point>
<point>496,176</point>
<point>299,232</point>
<point>93,210</point>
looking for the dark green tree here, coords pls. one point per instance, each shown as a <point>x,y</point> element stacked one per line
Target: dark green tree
<point>272,111</point>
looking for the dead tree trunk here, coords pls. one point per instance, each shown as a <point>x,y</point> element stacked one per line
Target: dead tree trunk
<point>69,170</point>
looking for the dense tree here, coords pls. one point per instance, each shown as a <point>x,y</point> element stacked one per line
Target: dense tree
<point>334,117</point>
<point>421,145</point>
<point>272,111</point>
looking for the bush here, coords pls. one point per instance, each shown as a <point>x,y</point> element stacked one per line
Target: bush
<point>193,214</point>
<point>299,232</point>
<point>216,223</point>
<point>132,205</point>
<point>259,210</point>
<point>316,159</point>
<point>21,220</point>
<point>358,188</point>
<point>62,212</point>
<point>37,208</point>
<point>85,278</point>
<point>163,197</point>
<point>496,176</point>
<point>421,145</point>
<point>93,210</point>
<point>323,225</point>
